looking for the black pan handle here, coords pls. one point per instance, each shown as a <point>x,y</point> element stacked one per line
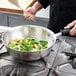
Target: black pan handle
<point>66,31</point>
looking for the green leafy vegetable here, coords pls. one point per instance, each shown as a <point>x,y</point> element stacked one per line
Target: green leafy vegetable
<point>27,44</point>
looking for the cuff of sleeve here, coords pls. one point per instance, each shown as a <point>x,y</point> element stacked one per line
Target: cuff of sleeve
<point>44,3</point>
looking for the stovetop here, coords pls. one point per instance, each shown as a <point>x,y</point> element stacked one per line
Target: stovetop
<point>57,63</point>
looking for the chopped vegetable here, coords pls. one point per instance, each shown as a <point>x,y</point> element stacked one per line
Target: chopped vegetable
<point>27,45</point>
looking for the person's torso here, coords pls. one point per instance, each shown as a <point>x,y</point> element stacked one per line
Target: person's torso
<point>62,13</point>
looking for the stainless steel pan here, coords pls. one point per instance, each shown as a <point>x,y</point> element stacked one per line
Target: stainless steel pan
<point>32,31</point>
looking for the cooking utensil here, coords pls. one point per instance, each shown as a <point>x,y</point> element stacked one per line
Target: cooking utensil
<point>22,4</point>
<point>32,31</point>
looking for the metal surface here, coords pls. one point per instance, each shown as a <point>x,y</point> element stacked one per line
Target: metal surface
<point>62,66</point>
<point>31,31</point>
<point>35,68</point>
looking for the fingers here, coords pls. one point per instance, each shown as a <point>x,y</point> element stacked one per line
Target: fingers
<point>73,31</point>
<point>26,15</point>
<point>29,14</point>
<point>70,24</point>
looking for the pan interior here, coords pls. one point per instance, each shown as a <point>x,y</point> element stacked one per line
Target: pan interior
<point>35,32</point>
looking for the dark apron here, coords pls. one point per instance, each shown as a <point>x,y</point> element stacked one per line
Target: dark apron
<point>62,12</point>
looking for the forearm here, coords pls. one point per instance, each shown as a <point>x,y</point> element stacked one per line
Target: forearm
<point>40,4</point>
<point>30,12</point>
<point>37,6</point>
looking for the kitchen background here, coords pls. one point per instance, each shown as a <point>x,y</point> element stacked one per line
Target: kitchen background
<point>7,19</point>
<point>65,66</point>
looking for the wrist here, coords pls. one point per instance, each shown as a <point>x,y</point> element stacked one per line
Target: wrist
<point>37,6</point>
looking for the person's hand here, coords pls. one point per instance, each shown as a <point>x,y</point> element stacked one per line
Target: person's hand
<point>73,30</point>
<point>29,13</point>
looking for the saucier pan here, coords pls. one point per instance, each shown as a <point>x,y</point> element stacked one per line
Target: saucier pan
<point>32,31</point>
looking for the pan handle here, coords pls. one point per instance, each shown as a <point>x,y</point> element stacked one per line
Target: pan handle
<point>58,34</point>
<point>64,32</point>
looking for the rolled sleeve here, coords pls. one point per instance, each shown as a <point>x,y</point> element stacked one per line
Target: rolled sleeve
<point>45,3</point>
